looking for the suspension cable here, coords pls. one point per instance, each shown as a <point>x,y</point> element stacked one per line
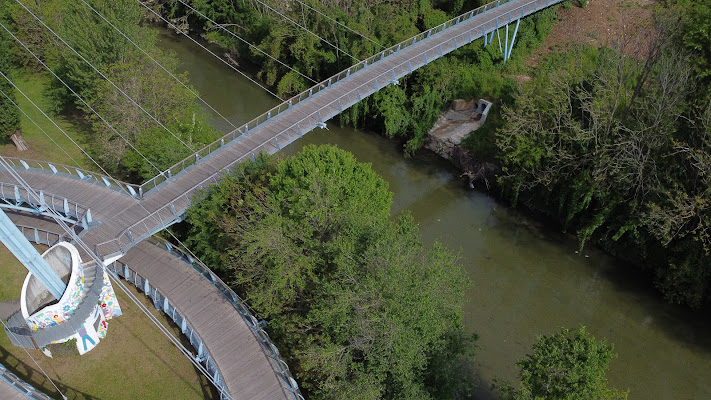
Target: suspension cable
<point>33,360</point>
<point>55,124</point>
<point>169,335</point>
<point>83,101</point>
<point>306,29</point>
<point>105,77</point>
<point>76,239</point>
<point>337,22</point>
<point>221,26</point>
<point>206,49</point>
<point>159,64</point>
<point>76,164</point>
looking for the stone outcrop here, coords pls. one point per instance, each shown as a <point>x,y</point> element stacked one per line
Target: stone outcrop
<point>456,124</point>
<point>451,128</point>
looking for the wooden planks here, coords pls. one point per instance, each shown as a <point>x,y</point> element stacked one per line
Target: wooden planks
<point>243,364</point>
<point>247,370</point>
<point>8,392</point>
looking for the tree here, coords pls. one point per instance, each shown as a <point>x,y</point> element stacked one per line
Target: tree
<point>696,37</point>
<point>569,365</point>
<point>355,302</point>
<point>136,75</point>
<point>9,113</point>
<point>162,97</point>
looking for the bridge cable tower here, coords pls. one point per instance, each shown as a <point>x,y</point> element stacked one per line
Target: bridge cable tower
<point>100,265</point>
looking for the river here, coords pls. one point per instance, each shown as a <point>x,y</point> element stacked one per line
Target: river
<point>527,278</point>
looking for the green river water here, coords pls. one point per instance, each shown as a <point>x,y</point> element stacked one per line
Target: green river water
<point>527,278</point>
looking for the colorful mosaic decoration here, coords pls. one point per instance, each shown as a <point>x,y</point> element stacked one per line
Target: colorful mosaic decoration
<point>103,326</point>
<point>58,313</point>
<point>109,304</point>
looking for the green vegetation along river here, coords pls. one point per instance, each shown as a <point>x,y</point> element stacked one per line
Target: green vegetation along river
<point>527,278</point>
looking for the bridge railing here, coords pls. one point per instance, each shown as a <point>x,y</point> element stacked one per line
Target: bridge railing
<point>21,386</point>
<point>161,302</point>
<point>14,196</point>
<point>76,173</point>
<point>40,236</point>
<point>161,218</point>
<point>242,308</point>
<point>292,102</point>
<point>148,226</point>
<point>391,74</point>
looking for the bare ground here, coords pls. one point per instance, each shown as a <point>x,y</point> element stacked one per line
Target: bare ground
<point>600,23</point>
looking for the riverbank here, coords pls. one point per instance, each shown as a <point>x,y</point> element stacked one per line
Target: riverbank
<point>454,126</point>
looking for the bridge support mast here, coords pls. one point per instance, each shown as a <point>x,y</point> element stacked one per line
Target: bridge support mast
<point>21,248</point>
<point>509,47</point>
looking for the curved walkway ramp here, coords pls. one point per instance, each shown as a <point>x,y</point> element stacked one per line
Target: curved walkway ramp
<point>227,339</point>
<point>248,363</point>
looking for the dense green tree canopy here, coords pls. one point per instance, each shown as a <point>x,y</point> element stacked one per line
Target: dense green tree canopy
<point>613,143</point>
<point>357,304</point>
<point>568,365</point>
<point>132,73</point>
<point>696,37</point>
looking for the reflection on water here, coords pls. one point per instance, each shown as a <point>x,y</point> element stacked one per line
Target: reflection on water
<point>527,280</point>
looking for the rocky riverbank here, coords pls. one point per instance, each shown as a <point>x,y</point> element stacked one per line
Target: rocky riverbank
<point>445,138</point>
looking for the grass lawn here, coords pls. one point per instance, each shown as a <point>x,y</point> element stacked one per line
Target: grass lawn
<point>135,361</point>
<point>42,148</point>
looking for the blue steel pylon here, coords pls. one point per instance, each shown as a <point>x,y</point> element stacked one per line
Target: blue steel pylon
<point>507,47</point>
<point>21,248</point>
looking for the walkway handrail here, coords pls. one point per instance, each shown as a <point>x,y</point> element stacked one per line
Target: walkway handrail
<point>162,303</point>
<point>242,308</point>
<point>168,212</point>
<point>72,212</point>
<point>40,236</point>
<point>21,386</point>
<point>76,173</point>
<point>219,143</point>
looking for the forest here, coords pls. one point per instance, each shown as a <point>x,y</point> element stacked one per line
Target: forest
<point>176,125</point>
<point>613,143</point>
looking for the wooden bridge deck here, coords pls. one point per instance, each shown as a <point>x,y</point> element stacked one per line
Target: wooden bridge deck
<point>245,367</point>
<point>243,363</point>
<point>165,204</point>
<point>10,392</point>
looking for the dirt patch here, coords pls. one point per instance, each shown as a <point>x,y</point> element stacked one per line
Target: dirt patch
<point>600,23</point>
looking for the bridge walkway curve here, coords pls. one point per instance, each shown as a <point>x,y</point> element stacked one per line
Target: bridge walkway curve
<point>172,197</point>
<point>247,369</point>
